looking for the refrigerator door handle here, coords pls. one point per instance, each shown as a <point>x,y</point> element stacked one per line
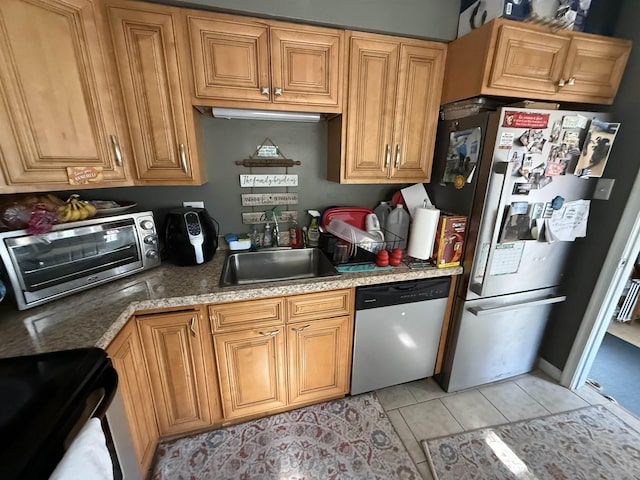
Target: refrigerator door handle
<point>480,311</point>
<point>503,169</point>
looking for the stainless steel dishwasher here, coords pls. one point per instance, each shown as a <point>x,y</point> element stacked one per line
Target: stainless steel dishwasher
<point>397,332</point>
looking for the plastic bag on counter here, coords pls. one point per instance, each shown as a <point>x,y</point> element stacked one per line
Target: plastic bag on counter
<point>34,212</point>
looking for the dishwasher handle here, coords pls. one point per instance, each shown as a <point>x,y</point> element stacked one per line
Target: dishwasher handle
<point>480,311</point>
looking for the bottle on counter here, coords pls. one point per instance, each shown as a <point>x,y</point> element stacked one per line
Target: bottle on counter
<point>267,240</point>
<point>382,211</point>
<point>397,229</point>
<point>295,240</point>
<point>255,238</point>
<point>313,234</point>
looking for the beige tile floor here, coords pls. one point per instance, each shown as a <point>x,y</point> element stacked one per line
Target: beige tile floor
<point>421,410</point>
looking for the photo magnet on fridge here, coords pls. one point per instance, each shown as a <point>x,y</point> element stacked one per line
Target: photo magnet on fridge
<point>596,148</point>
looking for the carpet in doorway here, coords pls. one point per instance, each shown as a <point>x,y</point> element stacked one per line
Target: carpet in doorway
<point>589,443</point>
<point>349,438</point>
<point>617,369</point>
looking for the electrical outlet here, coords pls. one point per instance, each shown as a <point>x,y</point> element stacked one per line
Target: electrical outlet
<point>604,187</point>
<point>193,204</point>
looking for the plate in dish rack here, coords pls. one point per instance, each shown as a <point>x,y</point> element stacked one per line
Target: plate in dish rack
<point>106,207</point>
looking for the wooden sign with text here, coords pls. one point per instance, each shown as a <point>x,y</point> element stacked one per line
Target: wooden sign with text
<point>259,199</point>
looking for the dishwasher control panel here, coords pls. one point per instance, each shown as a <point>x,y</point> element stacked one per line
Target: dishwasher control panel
<point>398,293</point>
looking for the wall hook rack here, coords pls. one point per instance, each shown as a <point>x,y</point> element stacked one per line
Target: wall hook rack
<point>268,155</point>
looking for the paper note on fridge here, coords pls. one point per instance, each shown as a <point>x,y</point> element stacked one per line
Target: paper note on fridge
<point>568,223</point>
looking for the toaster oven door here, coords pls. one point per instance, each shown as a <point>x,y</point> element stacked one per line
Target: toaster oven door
<point>65,260</point>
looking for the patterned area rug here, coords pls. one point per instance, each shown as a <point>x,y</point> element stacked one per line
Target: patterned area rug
<point>590,443</point>
<point>350,438</point>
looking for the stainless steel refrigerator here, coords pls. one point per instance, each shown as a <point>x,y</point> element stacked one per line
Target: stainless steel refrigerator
<point>508,171</point>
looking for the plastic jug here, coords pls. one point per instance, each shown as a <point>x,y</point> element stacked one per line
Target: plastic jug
<point>397,228</point>
<point>382,211</point>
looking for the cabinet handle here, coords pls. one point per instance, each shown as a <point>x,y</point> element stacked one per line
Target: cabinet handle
<point>192,326</point>
<point>388,159</point>
<point>572,81</point>
<point>265,91</point>
<point>398,155</point>
<point>278,91</point>
<point>269,334</point>
<point>183,158</point>
<point>301,328</point>
<point>561,82</point>
<point>116,149</point>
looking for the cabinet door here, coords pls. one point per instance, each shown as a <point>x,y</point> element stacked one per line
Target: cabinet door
<point>251,369</point>
<point>526,61</point>
<point>157,100</point>
<point>58,107</point>
<point>594,68</point>
<point>319,359</point>
<point>306,66</point>
<point>417,106</point>
<point>370,109</point>
<point>230,58</point>
<point>173,346</point>
<point>126,355</point>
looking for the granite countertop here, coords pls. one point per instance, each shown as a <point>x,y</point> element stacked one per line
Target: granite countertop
<point>94,317</point>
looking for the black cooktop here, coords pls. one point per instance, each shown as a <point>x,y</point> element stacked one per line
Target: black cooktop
<point>44,400</point>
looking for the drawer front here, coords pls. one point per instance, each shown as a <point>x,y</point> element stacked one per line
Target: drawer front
<point>254,313</point>
<point>319,305</point>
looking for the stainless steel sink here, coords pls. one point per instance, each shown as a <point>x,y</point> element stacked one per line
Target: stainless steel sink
<point>275,265</point>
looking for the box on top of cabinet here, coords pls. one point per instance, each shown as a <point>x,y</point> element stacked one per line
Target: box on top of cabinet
<point>475,13</point>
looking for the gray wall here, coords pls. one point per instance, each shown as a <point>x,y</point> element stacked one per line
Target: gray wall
<point>433,19</point>
<point>228,140</point>
<point>589,253</point>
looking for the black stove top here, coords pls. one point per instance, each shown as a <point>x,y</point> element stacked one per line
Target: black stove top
<point>44,400</point>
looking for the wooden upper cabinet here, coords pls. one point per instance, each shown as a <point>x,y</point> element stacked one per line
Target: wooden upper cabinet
<point>250,63</point>
<point>164,126</point>
<point>528,60</point>
<point>126,354</point>
<point>391,113</point>
<point>179,362</point>
<point>59,105</point>
<point>515,59</point>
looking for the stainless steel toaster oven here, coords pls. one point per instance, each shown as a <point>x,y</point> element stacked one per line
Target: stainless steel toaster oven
<point>76,256</point>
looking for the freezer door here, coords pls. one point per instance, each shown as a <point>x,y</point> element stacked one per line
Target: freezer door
<point>497,338</point>
<point>506,265</point>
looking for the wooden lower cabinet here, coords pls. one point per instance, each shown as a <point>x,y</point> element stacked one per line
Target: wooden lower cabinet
<point>299,356</point>
<point>251,366</point>
<point>319,359</point>
<point>178,353</point>
<point>126,355</point>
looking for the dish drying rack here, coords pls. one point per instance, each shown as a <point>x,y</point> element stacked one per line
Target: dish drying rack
<point>371,242</point>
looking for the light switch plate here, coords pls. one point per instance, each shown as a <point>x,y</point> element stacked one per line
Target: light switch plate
<point>604,187</point>
<point>193,204</point>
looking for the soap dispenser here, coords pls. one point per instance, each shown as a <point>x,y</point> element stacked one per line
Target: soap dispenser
<point>267,241</point>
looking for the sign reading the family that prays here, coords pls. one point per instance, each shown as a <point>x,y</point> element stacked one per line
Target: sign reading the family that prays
<point>268,180</point>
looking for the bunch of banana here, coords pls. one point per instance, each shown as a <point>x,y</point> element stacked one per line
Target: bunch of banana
<point>74,209</point>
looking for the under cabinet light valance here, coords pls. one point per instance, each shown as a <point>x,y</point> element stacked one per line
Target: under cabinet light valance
<point>237,113</point>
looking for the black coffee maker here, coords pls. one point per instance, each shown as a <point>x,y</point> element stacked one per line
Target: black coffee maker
<point>191,236</point>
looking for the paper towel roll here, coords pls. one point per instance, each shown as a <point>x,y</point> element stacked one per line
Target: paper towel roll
<point>423,232</point>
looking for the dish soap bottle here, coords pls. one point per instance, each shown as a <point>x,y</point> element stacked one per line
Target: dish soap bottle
<point>267,241</point>
<point>397,228</point>
<point>313,234</point>
<point>255,238</point>
<point>294,235</point>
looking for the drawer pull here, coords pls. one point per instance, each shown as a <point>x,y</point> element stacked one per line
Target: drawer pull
<point>269,334</point>
<point>301,328</point>
<point>116,149</point>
